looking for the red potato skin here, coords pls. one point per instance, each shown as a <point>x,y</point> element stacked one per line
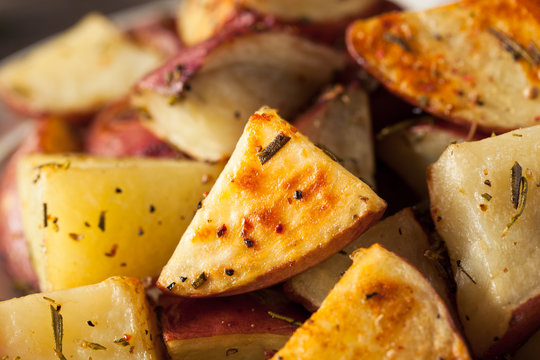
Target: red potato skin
<point>48,136</point>
<point>13,247</point>
<point>158,33</point>
<point>117,131</point>
<point>168,80</point>
<point>288,270</point>
<point>183,318</point>
<point>524,320</point>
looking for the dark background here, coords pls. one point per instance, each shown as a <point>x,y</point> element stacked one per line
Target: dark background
<point>23,22</point>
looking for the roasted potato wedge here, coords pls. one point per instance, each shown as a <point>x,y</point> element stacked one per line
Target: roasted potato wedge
<point>77,72</point>
<point>473,62</point>
<point>108,320</point>
<point>200,100</point>
<point>50,135</point>
<point>200,20</point>
<point>411,146</point>
<point>484,198</point>
<point>340,120</point>
<point>382,308</point>
<point>400,233</point>
<point>280,206</point>
<point>88,218</point>
<point>241,326</point>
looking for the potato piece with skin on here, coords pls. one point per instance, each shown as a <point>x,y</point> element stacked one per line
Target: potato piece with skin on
<point>401,233</point>
<point>419,143</point>
<point>280,206</point>
<point>243,326</point>
<point>89,65</point>
<point>340,121</point>
<point>108,320</point>
<point>199,101</point>
<point>88,218</point>
<point>118,131</point>
<point>49,135</point>
<point>381,308</point>
<point>322,20</point>
<point>484,198</point>
<point>473,62</point>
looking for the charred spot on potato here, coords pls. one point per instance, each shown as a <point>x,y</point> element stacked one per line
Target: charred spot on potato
<point>76,237</point>
<point>370,295</point>
<point>221,230</point>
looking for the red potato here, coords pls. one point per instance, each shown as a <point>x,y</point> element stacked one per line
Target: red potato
<point>402,234</point>
<point>340,121</point>
<point>77,72</point>
<point>48,136</point>
<point>483,198</point>
<point>322,20</point>
<point>280,206</point>
<point>118,131</point>
<point>158,33</point>
<point>381,308</point>
<point>243,325</point>
<point>473,62</point>
<point>200,99</point>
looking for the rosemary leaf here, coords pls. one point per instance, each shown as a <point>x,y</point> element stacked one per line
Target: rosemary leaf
<point>516,181</point>
<point>58,329</point>
<point>267,153</point>
<point>524,187</point>
<point>284,318</point>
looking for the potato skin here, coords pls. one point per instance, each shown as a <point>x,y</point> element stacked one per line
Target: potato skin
<point>503,299</point>
<point>256,202</point>
<point>118,131</point>
<point>381,308</point>
<point>49,135</point>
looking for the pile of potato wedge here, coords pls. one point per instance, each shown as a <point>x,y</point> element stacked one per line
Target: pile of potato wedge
<point>270,179</point>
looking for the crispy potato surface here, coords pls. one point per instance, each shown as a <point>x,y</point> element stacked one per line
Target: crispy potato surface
<point>280,206</point>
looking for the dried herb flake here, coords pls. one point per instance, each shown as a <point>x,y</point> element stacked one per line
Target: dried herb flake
<point>201,279</point>
<point>58,329</point>
<point>458,262</point>
<point>122,341</point>
<point>523,188</point>
<point>284,318</point>
<point>397,40</point>
<point>101,222</point>
<point>271,149</point>
<point>514,47</point>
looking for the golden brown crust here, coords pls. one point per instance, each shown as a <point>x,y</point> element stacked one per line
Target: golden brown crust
<point>449,60</point>
<point>267,222</point>
<point>382,308</point>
